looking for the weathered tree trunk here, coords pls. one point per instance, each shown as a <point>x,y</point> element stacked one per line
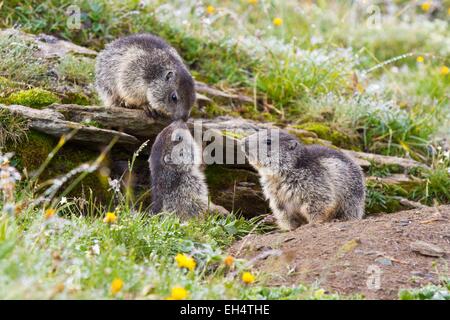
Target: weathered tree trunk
<point>234,186</point>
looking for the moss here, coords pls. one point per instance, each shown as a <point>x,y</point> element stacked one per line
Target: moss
<point>76,98</point>
<point>32,153</point>
<point>232,134</point>
<point>92,123</point>
<point>35,98</point>
<point>325,132</point>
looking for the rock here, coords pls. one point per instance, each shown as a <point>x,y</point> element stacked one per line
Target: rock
<point>49,46</point>
<point>384,261</point>
<point>427,249</point>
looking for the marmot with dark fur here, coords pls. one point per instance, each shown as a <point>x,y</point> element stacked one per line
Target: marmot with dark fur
<point>178,183</point>
<point>305,183</point>
<point>143,71</point>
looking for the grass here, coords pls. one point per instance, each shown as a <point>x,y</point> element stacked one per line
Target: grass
<point>358,84</point>
<point>13,129</point>
<point>430,292</point>
<point>65,249</point>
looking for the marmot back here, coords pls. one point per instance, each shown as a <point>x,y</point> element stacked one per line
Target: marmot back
<point>305,183</point>
<point>143,71</point>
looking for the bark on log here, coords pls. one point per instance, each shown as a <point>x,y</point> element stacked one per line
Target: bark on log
<point>135,123</point>
<point>240,192</point>
<point>53,123</point>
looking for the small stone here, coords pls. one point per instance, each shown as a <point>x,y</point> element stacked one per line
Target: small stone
<point>384,261</point>
<point>421,274</point>
<point>427,249</point>
<point>404,223</point>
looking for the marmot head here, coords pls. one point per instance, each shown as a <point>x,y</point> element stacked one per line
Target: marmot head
<point>272,150</point>
<point>173,91</point>
<point>175,148</point>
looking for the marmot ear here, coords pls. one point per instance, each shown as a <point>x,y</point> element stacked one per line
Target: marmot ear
<point>292,145</point>
<point>169,75</point>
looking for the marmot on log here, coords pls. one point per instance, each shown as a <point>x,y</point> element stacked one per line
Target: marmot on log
<point>178,183</point>
<point>143,71</point>
<point>305,183</point>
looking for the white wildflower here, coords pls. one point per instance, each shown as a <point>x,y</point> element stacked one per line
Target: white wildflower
<point>114,185</point>
<point>8,175</point>
<point>95,249</point>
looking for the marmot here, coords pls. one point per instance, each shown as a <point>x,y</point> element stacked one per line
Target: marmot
<point>178,183</point>
<point>305,183</point>
<point>143,71</point>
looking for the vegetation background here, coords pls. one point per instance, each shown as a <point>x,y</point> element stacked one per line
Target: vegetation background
<point>370,76</point>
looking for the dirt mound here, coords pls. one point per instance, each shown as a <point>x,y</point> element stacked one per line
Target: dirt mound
<point>375,257</point>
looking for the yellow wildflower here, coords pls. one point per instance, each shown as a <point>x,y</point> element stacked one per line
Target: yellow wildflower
<point>178,293</point>
<point>444,70</point>
<point>228,261</point>
<point>185,261</point>
<point>318,294</point>
<point>49,213</point>
<point>277,22</point>
<point>110,217</point>
<point>252,1</point>
<point>448,11</point>
<point>210,9</point>
<point>116,285</point>
<point>425,6</point>
<point>420,59</point>
<point>248,278</point>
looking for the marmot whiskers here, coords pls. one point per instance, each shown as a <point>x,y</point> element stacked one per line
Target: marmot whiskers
<point>305,183</point>
<point>143,71</point>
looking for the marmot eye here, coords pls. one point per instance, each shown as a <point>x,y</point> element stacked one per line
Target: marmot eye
<point>174,97</point>
<point>269,142</point>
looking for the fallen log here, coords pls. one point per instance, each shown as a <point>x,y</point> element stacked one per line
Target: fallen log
<point>239,188</point>
<point>136,123</point>
<point>396,179</point>
<point>54,124</point>
<point>365,159</point>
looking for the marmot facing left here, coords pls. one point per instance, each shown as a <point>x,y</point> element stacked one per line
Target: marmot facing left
<point>143,71</point>
<point>178,184</point>
<point>305,183</point>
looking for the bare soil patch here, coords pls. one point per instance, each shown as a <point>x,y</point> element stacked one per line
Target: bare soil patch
<point>409,249</point>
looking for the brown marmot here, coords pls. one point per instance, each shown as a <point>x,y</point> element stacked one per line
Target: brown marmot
<point>143,71</point>
<point>305,183</point>
<point>178,183</point>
